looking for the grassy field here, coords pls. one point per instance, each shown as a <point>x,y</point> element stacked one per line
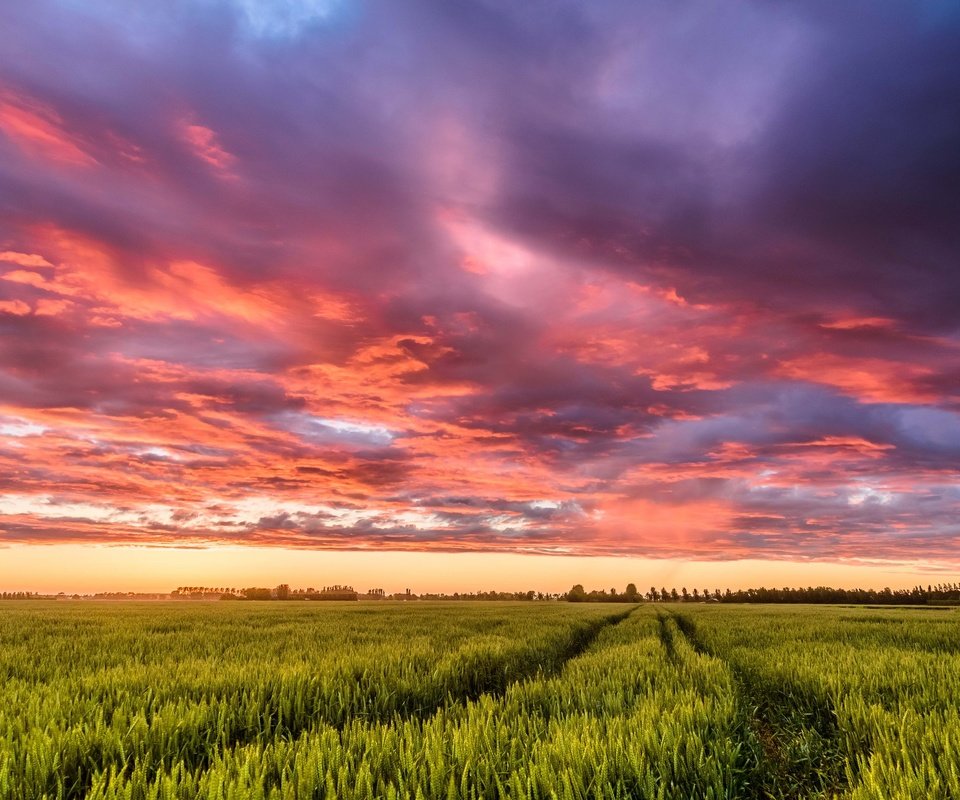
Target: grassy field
<point>527,700</point>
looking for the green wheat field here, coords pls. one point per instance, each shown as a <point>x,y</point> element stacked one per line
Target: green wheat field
<point>499,700</point>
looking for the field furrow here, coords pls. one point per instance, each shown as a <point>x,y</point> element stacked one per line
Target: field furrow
<point>790,735</point>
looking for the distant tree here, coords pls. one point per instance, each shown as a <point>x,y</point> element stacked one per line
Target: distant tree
<point>577,594</point>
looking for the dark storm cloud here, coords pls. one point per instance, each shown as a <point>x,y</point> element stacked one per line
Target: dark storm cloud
<point>842,191</point>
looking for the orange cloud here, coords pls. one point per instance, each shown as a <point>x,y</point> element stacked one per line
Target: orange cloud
<point>39,131</point>
<point>873,379</point>
<point>24,259</point>
<point>25,277</point>
<point>17,307</point>
<point>177,290</point>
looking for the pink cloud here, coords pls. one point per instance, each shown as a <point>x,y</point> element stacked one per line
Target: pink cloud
<point>204,143</point>
<point>39,131</point>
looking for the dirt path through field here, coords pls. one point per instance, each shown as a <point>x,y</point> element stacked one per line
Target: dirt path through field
<point>788,753</point>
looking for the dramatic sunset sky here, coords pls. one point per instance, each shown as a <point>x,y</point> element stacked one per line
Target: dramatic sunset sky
<point>479,294</point>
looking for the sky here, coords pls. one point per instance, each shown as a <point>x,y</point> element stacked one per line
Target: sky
<point>479,293</point>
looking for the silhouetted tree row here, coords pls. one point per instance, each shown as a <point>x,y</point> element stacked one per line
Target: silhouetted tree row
<point>340,592</point>
<point>941,594</point>
<point>579,595</point>
<point>281,592</point>
<point>936,595</point>
<point>528,595</point>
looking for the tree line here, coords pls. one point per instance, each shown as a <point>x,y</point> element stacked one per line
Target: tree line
<point>280,592</point>
<point>935,595</point>
<point>341,592</point>
<point>938,595</point>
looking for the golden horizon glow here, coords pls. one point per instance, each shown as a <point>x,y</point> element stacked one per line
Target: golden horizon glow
<point>87,569</point>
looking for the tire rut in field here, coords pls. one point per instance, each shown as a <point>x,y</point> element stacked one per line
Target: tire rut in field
<point>785,756</point>
<point>666,637</point>
<point>580,642</point>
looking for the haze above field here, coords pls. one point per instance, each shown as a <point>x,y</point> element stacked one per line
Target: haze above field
<point>668,290</point>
